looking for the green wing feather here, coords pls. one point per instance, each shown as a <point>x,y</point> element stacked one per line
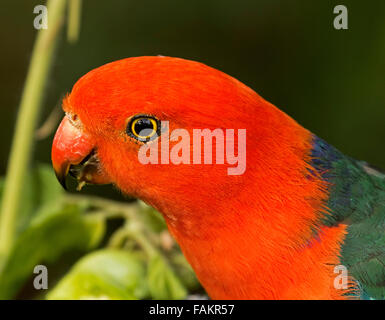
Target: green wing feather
<point>357,198</point>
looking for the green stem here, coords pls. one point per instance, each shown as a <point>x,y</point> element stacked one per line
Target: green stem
<point>118,238</point>
<point>74,15</point>
<point>116,208</point>
<point>134,227</point>
<point>135,231</point>
<point>26,122</point>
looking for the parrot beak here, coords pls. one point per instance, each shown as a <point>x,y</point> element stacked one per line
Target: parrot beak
<point>73,151</point>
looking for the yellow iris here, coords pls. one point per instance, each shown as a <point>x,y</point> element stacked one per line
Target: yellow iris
<point>144,125</point>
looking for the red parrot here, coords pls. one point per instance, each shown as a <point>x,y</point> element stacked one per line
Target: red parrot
<point>282,229</point>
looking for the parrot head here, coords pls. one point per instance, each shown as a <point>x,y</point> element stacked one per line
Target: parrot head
<point>118,108</point>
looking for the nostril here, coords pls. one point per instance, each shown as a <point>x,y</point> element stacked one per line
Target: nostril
<point>74,119</point>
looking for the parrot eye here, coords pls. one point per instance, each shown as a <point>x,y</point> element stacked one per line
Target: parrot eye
<point>143,128</point>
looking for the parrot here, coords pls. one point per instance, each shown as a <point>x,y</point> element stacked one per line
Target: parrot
<point>302,221</point>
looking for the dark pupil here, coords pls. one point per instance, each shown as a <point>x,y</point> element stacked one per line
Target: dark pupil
<point>144,127</point>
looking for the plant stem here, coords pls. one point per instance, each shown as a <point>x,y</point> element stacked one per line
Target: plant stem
<point>74,15</point>
<point>135,231</point>
<point>117,208</point>
<point>134,227</point>
<point>30,104</point>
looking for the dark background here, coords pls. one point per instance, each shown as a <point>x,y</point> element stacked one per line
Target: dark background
<point>331,81</point>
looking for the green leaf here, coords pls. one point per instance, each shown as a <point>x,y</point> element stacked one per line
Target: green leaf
<point>41,192</point>
<point>46,239</point>
<point>104,274</point>
<point>162,281</point>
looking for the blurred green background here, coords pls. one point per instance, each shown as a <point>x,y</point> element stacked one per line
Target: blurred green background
<point>331,81</point>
